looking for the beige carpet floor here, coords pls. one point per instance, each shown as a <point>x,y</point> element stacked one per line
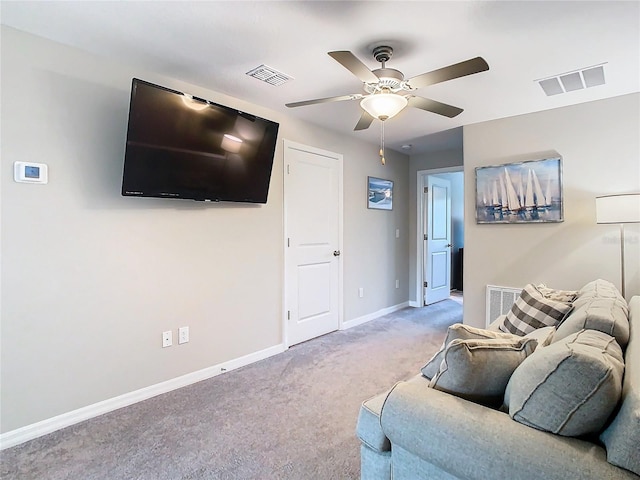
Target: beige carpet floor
<point>289,417</point>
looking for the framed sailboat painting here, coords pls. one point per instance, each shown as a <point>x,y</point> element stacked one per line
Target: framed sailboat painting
<point>525,192</point>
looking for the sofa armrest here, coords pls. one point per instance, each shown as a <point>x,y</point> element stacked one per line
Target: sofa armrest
<point>470,441</point>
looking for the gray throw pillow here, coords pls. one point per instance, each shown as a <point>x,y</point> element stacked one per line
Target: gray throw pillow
<point>570,387</point>
<point>597,289</point>
<point>458,331</point>
<point>479,369</point>
<point>533,310</point>
<point>608,315</point>
<point>544,336</point>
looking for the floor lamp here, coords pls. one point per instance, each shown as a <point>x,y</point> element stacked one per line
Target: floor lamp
<point>621,209</point>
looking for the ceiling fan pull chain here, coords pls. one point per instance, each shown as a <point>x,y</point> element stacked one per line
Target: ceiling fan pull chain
<point>382,160</point>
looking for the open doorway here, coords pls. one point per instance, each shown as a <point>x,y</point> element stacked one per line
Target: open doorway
<point>433,273</point>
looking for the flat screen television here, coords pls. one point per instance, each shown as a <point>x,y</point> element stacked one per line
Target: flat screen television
<point>181,146</point>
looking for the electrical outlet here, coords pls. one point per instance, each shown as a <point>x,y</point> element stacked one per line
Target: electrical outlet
<point>397,233</point>
<point>167,339</point>
<point>361,292</point>
<point>183,335</point>
<point>397,283</point>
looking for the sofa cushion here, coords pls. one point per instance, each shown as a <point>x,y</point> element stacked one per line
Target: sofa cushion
<point>622,436</point>
<point>544,336</point>
<point>533,310</point>
<point>608,315</point>
<point>458,331</point>
<point>597,289</point>
<point>479,369</point>
<point>570,387</point>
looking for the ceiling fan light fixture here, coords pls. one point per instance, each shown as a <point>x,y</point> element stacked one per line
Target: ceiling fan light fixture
<point>383,105</point>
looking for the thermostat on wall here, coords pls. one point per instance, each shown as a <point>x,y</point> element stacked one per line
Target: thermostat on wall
<point>29,172</point>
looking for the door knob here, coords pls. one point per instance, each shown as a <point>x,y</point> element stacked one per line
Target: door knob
<point>336,253</point>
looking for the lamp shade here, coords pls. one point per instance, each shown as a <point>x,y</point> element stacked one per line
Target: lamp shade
<point>618,208</point>
<point>383,105</point>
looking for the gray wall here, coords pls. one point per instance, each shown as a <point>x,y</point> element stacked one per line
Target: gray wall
<point>600,146</point>
<point>90,279</point>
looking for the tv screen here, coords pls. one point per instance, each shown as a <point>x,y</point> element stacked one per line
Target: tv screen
<point>180,146</point>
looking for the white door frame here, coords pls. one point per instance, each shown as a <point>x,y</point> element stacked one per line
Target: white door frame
<point>421,179</point>
<point>338,157</point>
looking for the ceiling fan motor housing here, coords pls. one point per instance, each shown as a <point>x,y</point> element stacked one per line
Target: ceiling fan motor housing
<point>389,78</point>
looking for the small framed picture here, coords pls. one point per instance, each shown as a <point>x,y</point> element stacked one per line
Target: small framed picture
<point>380,193</point>
<point>525,192</point>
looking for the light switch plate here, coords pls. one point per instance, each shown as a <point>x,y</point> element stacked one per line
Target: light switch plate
<point>183,335</point>
<point>167,339</point>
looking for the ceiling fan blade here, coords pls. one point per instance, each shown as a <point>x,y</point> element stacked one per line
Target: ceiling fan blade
<point>349,61</point>
<point>364,122</point>
<point>435,107</point>
<point>353,96</point>
<point>462,69</point>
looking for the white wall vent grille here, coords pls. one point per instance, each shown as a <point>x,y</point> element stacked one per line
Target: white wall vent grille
<point>499,301</point>
<point>576,80</point>
<point>269,75</point>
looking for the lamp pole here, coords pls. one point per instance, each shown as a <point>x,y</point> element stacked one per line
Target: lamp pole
<point>620,209</point>
<point>622,258</point>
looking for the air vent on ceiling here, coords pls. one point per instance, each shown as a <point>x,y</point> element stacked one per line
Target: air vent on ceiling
<point>575,80</point>
<point>269,75</point>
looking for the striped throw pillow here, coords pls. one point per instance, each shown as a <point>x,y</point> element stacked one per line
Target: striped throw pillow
<point>532,310</point>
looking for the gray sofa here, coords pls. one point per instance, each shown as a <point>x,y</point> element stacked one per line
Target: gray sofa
<point>416,432</point>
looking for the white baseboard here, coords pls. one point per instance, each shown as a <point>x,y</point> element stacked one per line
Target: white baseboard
<point>372,316</point>
<point>413,303</point>
<point>35,430</point>
<point>44,427</point>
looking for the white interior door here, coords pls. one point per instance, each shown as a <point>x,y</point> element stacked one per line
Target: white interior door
<point>437,240</point>
<point>313,213</point>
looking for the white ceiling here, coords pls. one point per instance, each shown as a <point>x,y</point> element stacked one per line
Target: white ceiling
<point>214,43</point>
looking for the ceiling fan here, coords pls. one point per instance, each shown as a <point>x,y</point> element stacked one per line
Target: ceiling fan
<point>386,90</point>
